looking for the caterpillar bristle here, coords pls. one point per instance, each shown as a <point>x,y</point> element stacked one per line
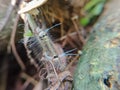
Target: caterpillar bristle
<point>71,50</point>
<point>52,27</point>
<point>35,51</point>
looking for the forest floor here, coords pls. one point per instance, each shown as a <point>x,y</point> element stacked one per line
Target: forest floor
<point>18,79</point>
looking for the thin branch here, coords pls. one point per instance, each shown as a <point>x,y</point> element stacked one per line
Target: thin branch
<point>29,78</point>
<point>54,69</point>
<point>78,32</point>
<point>71,63</point>
<point>64,37</point>
<point>12,43</point>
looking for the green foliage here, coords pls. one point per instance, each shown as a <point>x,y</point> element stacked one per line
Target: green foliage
<point>92,9</point>
<point>97,9</point>
<point>84,21</point>
<point>28,33</point>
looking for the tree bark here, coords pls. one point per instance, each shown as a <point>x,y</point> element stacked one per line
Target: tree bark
<point>98,67</point>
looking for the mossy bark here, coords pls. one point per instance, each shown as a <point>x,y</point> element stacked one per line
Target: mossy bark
<point>99,65</point>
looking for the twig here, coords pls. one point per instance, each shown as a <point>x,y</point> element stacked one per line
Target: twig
<point>12,43</point>
<point>70,41</point>
<point>29,78</point>
<point>54,69</point>
<point>78,32</point>
<point>64,42</point>
<point>70,64</point>
<point>62,76</point>
<point>64,37</point>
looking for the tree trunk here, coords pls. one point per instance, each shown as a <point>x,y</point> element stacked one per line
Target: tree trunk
<point>98,67</point>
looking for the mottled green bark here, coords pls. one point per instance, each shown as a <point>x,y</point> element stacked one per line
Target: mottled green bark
<point>99,66</point>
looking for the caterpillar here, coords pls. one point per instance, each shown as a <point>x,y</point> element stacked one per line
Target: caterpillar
<point>41,45</point>
<point>33,47</point>
<point>49,51</point>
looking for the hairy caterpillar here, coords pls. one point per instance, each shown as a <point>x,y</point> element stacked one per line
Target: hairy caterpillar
<point>41,45</point>
<point>49,50</point>
<point>33,47</point>
<point>37,47</point>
